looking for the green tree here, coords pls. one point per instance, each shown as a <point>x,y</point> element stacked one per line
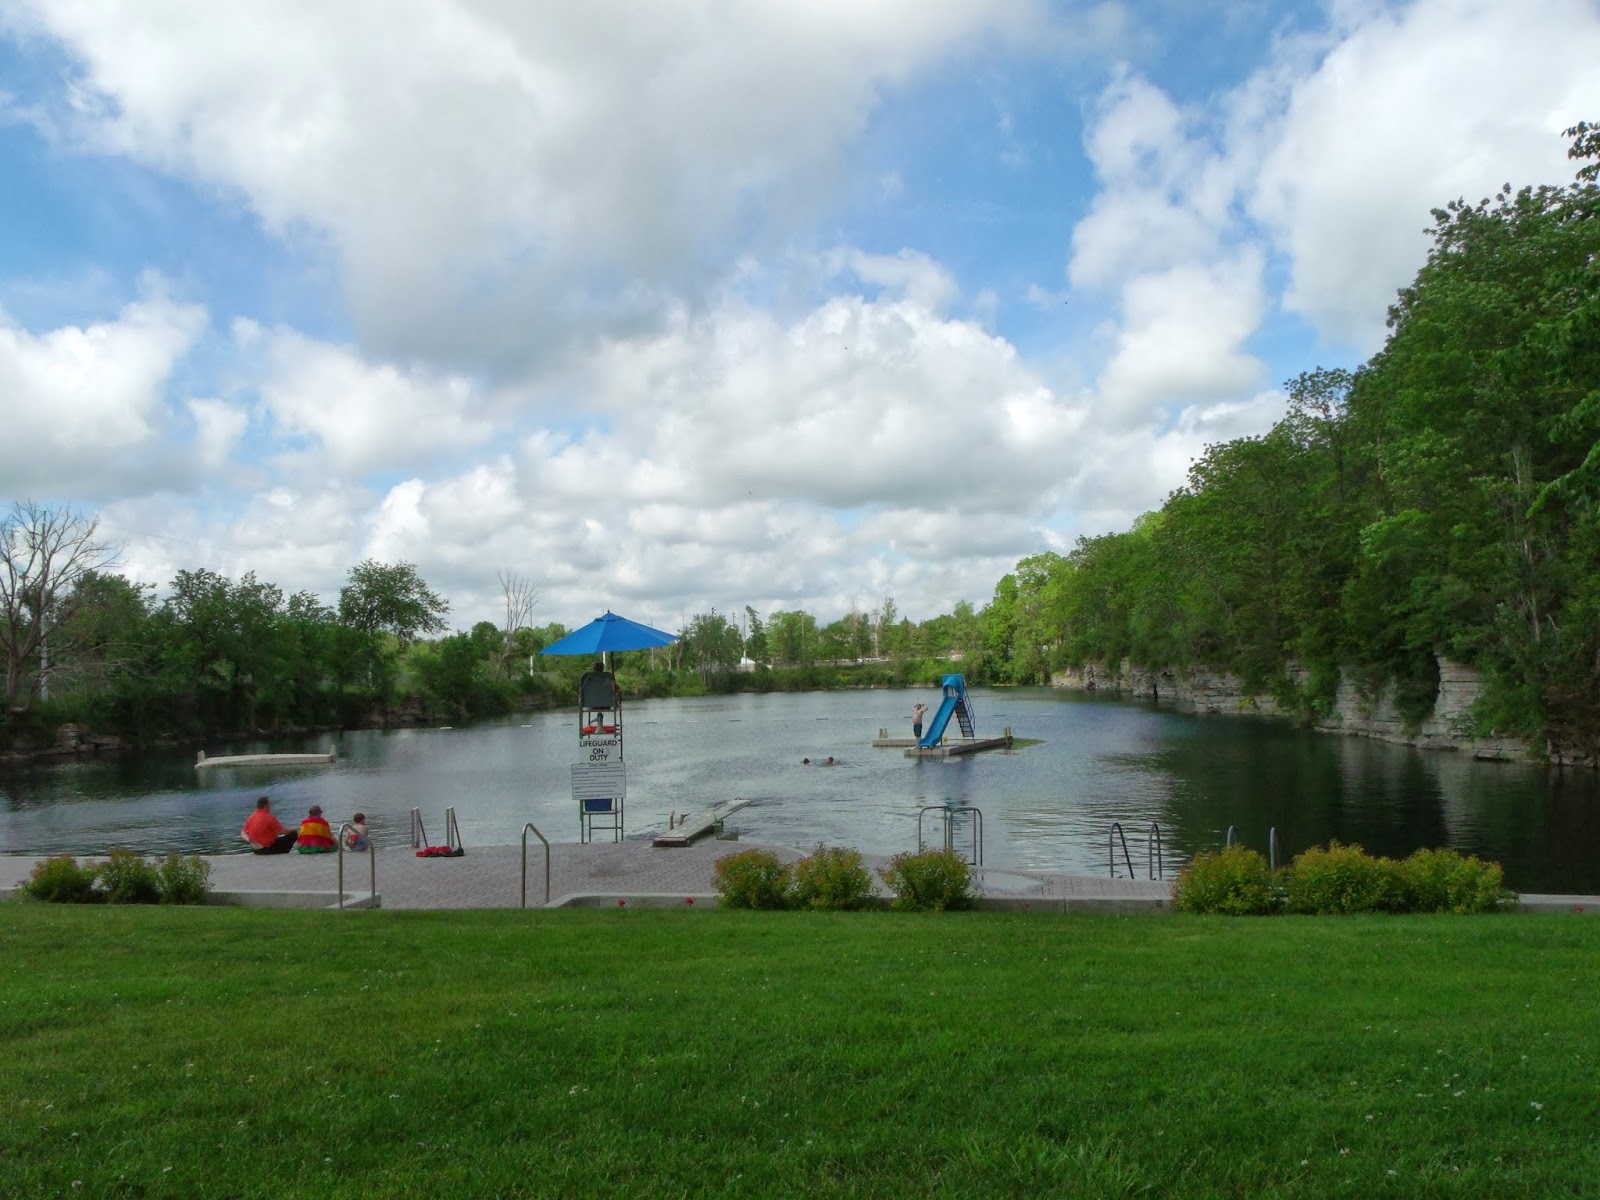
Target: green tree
<point>45,555</point>
<point>713,645</point>
<point>384,599</point>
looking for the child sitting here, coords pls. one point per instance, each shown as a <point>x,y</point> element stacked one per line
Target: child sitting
<point>355,837</point>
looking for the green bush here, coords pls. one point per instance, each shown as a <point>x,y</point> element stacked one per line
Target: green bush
<point>62,881</point>
<point>831,877</point>
<point>183,880</point>
<point>125,878</point>
<point>1343,879</point>
<point>929,882</point>
<point>1445,881</point>
<point>1236,881</point>
<point>752,879</point>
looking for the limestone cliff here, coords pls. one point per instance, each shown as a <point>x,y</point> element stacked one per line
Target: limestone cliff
<point>1354,711</point>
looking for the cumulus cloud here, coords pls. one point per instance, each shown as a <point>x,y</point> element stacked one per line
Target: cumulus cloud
<point>81,399</point>
<point>1413,107</point>
<point>492,171</point>
<point>354,415</point>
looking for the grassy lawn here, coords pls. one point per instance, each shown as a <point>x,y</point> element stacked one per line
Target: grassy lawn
<point>217,1052</point>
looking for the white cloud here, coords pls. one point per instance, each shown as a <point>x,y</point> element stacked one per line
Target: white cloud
<point>357,415</point>
<point>1182,336</point>
<point>79,399</point>
<point>491,170</point>
<point>1414,107</point>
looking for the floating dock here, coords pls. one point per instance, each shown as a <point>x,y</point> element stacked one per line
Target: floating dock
<point>959,746</point>
<point>262,760</point>
<point>696,825</point>
<point>949,748</point>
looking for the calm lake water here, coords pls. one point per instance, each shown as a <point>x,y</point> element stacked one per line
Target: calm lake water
<point>1045,807</point>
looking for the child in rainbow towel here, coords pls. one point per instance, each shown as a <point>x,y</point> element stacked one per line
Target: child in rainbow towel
<point>315,836</point>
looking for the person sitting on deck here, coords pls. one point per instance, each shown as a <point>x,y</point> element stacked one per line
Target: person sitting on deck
<point>315,836</point>
<point>265,832</point>
<point>355,838</point>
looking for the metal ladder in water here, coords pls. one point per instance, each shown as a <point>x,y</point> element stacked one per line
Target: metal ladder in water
<point>1273,850</point>
<point>1155,859</point>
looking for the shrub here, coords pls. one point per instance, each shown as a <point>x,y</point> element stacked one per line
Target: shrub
<point>1344,879</point>
<point>62,881</point>
<point>125,878</point>
<point>183,880</point>
<point>1236,881</point>
<point>831,878</point>
<point>929,882</point>
<point>1444,881</point>
<point>752,879</point>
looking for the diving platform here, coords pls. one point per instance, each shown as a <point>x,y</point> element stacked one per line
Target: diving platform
<point>691,826</point>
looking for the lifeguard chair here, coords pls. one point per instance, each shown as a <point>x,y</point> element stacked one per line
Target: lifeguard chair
<point>599,779</point>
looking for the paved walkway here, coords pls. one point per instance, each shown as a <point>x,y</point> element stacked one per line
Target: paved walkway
<point>491,877</point>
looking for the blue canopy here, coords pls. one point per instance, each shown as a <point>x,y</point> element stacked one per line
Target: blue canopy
<point>608,633</point>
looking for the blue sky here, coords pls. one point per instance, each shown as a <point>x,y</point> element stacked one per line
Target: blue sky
<point>710,304</point>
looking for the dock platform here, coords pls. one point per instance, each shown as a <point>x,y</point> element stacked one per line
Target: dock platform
<point>959,746</point>
<point>262,760</point>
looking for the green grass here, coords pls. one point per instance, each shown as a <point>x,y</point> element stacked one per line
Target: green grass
<point>215,1052</point>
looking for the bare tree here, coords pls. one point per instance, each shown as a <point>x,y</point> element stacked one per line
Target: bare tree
<point>45,554</point>
<point>521,598</point>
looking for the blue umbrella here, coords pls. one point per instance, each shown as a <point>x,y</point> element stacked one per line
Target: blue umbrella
<point>609,633</point>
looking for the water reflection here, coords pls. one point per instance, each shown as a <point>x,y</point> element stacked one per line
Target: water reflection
<point>1046,807</point>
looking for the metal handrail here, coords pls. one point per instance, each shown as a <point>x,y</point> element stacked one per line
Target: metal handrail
<point>452,831</point>
<point>1155,860</point>
<point>531,826</point>
<point>1111,851</point>
<point>372,851</point>
<point>419,835</point>
<point>1233,836</point>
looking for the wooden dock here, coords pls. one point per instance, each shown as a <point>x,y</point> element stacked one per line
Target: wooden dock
<point>951,749</point>
<point>696,825</point>
<point>262,760</point>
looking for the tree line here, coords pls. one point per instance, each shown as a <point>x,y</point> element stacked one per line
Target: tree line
<point>1440,499</point>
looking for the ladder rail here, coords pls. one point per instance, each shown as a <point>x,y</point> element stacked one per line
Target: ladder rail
<point>1111,850</point>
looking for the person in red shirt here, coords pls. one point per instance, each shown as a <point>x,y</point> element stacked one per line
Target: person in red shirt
<point>264,831</point>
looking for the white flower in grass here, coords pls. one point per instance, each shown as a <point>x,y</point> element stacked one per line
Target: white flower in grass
<point>1534,1104</point>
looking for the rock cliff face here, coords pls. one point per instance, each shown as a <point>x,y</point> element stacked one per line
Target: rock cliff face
<point>1354,712</point>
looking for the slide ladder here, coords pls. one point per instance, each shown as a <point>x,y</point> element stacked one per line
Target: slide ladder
<point>954,704</point>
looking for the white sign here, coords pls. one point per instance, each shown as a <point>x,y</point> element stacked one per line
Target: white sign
<point>599,781</point>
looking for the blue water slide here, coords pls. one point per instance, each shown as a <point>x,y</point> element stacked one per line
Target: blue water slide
<point>953,704</point>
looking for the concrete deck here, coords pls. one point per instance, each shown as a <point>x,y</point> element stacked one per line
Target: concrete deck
<point>600,872</point>
<point>634,872</point>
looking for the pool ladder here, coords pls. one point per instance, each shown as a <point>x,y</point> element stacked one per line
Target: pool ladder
<point>1273,850</point>
<point>452,831</point>
<point>1154,858</point>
